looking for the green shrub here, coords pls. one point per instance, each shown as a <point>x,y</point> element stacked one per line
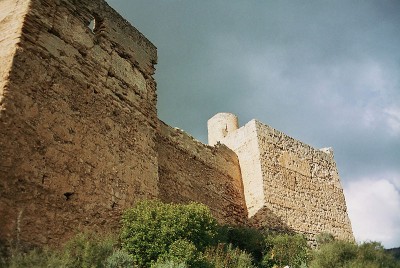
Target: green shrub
<point>286,249</point>
<point>88,250</point>
<point>324,238</point>
<point>223,255</point>
<point>182,252</point>
<point>334,254</point>
<point>84,250</point>
<point>168,264</point>
<point>372,254</point>
<point>35,259</point>
<point>349,255</point>
<point>151,227</point>
<point>119,259</point>
<point>247,239</point>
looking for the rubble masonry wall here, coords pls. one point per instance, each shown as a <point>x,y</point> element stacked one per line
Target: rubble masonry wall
<point>301,186</point>
<point>78,120</point>
<point>288,184</point>
<point>191,171</point>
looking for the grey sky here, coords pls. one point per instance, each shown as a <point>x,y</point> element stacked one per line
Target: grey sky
<point>324,72</point>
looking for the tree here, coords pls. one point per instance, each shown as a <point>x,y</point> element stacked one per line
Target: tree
<point>349,255</point>
<point>151,227</point>
<point>286,249</point>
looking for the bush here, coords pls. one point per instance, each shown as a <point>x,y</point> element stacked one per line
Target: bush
<point>84,250</point>
<point>286,249</point>
<point>372,254</point>
<point>247,239</point>
<point>151,227</point>
<point>334,254</point>
<point>119,259</point>
<point>324,238</point>
<point>169,264</point>
<point>88,250</point>
<point>35,259</point>
<point>222,256</point>
<point>182,252</point>
<point>349,255</point>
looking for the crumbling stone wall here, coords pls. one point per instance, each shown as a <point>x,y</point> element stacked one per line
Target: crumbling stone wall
<point>78,119</point>
<point>191,171</point>
<point>288,185</point>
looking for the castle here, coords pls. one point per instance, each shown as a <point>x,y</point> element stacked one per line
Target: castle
<point>80,140</point>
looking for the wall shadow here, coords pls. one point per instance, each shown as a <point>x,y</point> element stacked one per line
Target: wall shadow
<point>266,219</point>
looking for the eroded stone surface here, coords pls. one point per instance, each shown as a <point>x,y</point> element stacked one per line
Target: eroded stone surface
<point>78,121</point>
<point>192,171</point>
<point>289,185</point>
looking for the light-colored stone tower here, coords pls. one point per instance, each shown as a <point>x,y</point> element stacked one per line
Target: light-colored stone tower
<point>288,185</point>
<point>220,126</point>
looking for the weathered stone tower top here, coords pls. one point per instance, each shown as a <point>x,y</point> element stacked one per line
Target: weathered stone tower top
<point>220,125</point>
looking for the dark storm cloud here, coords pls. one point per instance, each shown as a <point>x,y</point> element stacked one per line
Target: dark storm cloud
<point>324,72</point>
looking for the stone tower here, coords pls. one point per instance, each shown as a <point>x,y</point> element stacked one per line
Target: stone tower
<point>220,126</point>
<point>288,185</point>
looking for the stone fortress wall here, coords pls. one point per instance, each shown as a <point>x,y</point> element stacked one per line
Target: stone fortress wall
<point>80,140</point>
<point>288,185</point>
<point>78,120</point>
<point>191,171</point>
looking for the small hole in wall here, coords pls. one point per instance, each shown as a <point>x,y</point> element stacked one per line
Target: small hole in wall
<point>92,24</point>
<point>68,195</point>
